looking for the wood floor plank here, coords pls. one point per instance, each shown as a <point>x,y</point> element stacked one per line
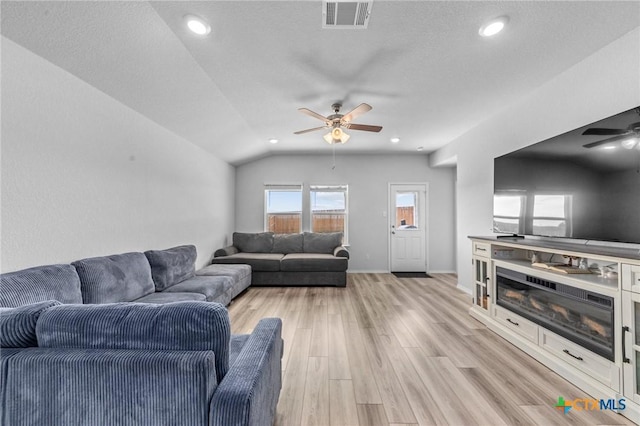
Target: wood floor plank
<point>338,355</point>
<point>320,331</point>
<point>342,403</point>
<point>294,380</point>
<point>372,415</point>
<point>364,385</point>
<point>315,408</point>
<point>394,401</point>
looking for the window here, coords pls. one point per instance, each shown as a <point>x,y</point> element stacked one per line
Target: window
<point>283,208</point>
<point>406,210</point>
<point>329,208</point>
<point>551,215</point>
<point>508,211</point>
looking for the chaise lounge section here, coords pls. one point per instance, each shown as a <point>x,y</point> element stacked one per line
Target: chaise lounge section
<point>133,364</point>
<point>307,259</point>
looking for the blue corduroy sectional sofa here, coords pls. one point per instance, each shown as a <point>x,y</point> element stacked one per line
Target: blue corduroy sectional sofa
<point>135,352</point>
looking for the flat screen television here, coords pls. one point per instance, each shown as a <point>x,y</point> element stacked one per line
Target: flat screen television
<point>583,184</point>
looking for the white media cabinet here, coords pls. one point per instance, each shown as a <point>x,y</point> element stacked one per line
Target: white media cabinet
<point>600,376</point>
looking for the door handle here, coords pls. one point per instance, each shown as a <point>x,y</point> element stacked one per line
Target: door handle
<point>624,346</point>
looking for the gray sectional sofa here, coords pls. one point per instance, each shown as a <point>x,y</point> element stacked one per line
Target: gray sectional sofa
<point>77,346</point>
<point>156,276</point>
<point>305,259</point>
<point>135,364</point>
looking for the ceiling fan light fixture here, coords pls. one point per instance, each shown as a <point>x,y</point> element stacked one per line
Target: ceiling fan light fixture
<point>630,143</point>
<point>336,135</point>
<point>197,25</point>
<point>493,26</point>
<point>395,140</point>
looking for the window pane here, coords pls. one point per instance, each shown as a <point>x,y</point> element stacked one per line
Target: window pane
<point>549,206</point>
<point>406,210</point>
<point>283,210</point>
<point>328,208</point>
<point>550,227</point>
<point>284,201</point>
<point>328,201</point>
<point>507,205</point>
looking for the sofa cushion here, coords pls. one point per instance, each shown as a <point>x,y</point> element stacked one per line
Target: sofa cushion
<point>116,278</point>
<point>258,261</point>
<point>18,325</point>
<point>39,284</point>
<point>171,266</point>
<point>181,326</point>
<point>315,242</point>
<point>255,242</point>
<point>287,243</point>
<point>313,262</point>
<point>164,297</point>
<point>210,286</point>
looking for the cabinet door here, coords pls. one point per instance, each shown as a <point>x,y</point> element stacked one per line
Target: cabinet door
<point>630,277</point>
<point>481,283</point>
<point>631,345</point>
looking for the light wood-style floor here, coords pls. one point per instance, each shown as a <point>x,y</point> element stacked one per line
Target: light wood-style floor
<point>386,351</point>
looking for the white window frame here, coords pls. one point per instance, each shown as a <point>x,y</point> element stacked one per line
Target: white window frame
<point>342,188</point>
<point>282,188</point>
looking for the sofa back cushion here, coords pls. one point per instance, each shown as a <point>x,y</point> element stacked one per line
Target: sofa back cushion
<point>116,278</point>
<point>18,325</point>
<point>322,242</point>
<point>181,326</point>
<point>39,284</point>
<point>287,243</point>
<point>172,266</point>
<point>255,242</point>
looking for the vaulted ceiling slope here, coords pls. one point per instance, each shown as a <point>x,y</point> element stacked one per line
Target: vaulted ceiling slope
<point>422,65</point>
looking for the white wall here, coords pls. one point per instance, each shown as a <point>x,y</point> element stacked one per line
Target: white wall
<point>83,175</point>
<point>604,84</point>
<point>368,177</point>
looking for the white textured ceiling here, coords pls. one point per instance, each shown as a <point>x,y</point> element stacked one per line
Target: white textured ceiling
<point>422,65</point>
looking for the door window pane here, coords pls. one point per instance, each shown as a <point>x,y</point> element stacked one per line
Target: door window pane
<point>407,210</point>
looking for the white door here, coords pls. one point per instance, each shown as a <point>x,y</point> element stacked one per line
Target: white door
<point>407,227</point>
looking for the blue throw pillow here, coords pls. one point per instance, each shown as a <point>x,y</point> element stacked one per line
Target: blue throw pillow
<point>18,325</point>
<point>172,266</point>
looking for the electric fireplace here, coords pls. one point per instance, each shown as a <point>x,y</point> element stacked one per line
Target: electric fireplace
<point>582,316</point>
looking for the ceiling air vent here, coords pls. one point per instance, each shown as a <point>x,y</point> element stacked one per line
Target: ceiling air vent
<point>345,14</point>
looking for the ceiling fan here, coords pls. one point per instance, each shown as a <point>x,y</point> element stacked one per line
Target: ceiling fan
<point>629,138</point>
<point>337,121</point>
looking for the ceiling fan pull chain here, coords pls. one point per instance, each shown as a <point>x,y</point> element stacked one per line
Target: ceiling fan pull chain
<point>334,157</point>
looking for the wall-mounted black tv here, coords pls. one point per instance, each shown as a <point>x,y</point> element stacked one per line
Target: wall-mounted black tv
<point>583,184</point>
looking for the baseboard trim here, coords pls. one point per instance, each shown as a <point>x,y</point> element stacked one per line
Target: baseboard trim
<point>367,272</point>
<point>464,288</point>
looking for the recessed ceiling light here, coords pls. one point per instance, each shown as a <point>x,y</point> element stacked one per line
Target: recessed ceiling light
<point>420,148</point>
<point>609,147</point>
<point>395,140</point>
<point>273,141</point>
<point>494,26</point>
<point>197,25</point>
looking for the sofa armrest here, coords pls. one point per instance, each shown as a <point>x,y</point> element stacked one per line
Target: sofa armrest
<point>248,394</point>
<point>226,251</point>
<point>341,251</point>
<point>108,387</point>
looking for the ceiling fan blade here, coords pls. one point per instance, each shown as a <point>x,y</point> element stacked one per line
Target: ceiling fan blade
<point>365,127</point>
<point>299,132</point>
<point>605,141</point>
<point>356,112</point>
<point>605,132</point>
<point>314,114</point>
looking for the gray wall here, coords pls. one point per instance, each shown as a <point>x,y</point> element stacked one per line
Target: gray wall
<point>368,177</point>
<point>83,175</point>
<point>604,84</point>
